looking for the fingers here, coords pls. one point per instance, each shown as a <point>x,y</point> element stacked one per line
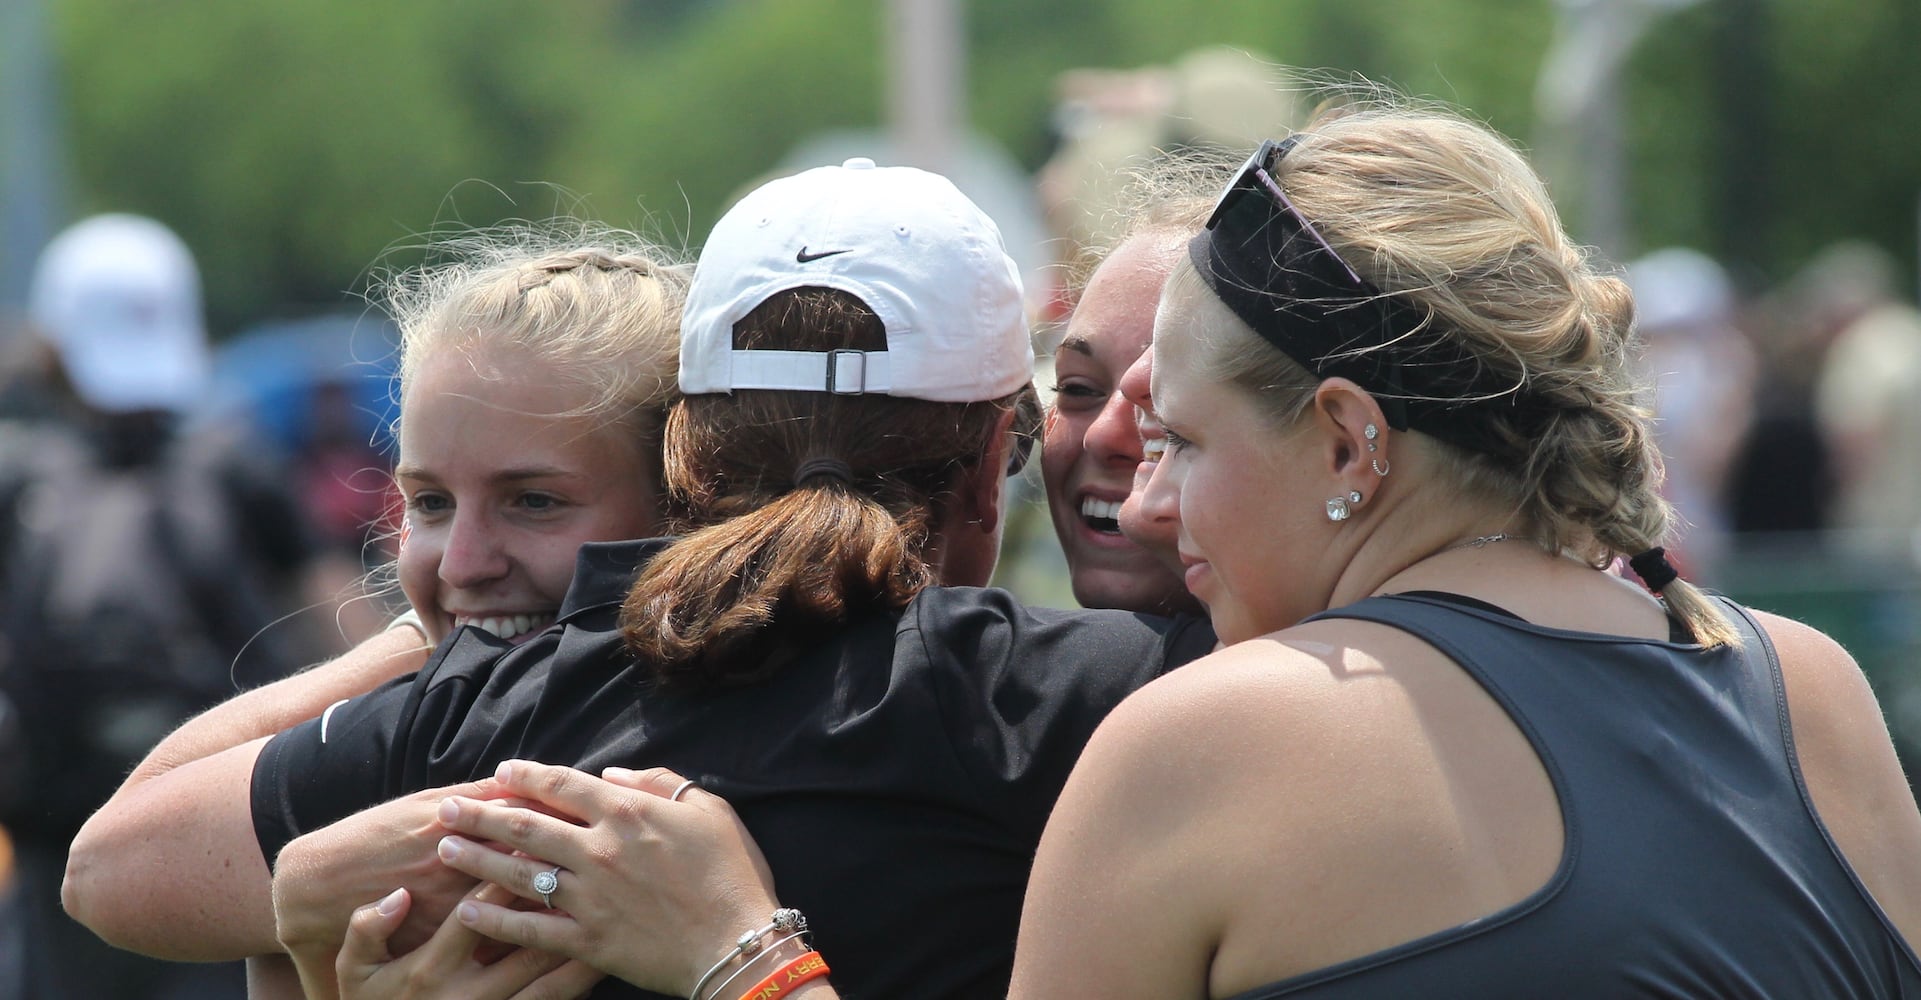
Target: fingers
<point>454,939</point>
<point>517,873</point>
<point>523,974</point>
<point>539,930</point>
<point>531,831</point>
<point>449,962</point>
<point>657,780</point>
<point>368,931</point>
<point>572,791</point>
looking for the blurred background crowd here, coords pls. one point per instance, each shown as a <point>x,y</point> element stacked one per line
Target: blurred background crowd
<point>1747,163</point>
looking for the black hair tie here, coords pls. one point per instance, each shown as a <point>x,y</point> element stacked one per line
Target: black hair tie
<point>1654,569</point>
<point>833,467</point>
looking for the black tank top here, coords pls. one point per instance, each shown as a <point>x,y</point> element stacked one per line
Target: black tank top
<point>1693,865</point>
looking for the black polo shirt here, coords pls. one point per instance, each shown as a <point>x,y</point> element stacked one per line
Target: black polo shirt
<point>897,777</point>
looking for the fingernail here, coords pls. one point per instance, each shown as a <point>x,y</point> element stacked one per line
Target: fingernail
<point>469,913</point>
<point>505,772</point>
<point>449,848</point>
<point>449,810</point>
<point>391,902</point>
<point>617,774</point>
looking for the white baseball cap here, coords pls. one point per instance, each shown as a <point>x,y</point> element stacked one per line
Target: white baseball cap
<point>118,297</point>
<point>905,242</point>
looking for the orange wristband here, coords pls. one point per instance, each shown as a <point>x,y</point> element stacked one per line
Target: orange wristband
<point>785,978</point>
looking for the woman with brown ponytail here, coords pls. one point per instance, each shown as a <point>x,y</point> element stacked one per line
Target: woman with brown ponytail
<point>1444,752</point>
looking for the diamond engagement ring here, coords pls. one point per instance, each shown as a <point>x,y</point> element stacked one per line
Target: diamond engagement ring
<point>547,883</point>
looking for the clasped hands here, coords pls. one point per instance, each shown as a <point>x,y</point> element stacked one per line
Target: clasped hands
<point>646,888</point>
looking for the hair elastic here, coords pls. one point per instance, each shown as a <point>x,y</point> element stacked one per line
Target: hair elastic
<point>1654,569</point>
<point>833,467</point>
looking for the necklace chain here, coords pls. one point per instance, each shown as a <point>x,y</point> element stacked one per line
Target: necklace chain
<point>1481,542</point>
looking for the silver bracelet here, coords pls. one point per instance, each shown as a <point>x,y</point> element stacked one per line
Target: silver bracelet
<point>784,920</point>
<point>721,990</point>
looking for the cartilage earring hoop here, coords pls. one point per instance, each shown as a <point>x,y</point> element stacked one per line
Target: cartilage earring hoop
<point>1381,466</point>
<point>1337,509</point>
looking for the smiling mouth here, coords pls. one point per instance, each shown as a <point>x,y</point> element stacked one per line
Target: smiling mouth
<point>508,626</point>
<point>1101,516</point>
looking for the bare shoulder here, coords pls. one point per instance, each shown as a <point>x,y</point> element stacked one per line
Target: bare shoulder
<point>1184,788</point>
<point>1291,671</point>
<point>1377,790</point>
<point>1848,761</point>
<point>1831,706</point>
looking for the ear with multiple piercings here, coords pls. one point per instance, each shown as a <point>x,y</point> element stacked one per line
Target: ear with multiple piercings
<point>1379,465</point>
<point>1341,508</point>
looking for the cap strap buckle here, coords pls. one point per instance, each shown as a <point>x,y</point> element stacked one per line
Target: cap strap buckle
<point>844,379</point>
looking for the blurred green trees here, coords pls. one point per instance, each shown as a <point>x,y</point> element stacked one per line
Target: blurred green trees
<point>295,144</point>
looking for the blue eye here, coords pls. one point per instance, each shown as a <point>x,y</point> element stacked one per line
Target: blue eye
<point>428,503</point>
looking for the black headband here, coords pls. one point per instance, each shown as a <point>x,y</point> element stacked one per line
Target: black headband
<point>1266,262</point>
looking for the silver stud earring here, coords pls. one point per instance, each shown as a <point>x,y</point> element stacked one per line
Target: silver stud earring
<point>1354,496</point>
<point>1337,509</point>
<point>1371,432</point>
<point>1380,466</point>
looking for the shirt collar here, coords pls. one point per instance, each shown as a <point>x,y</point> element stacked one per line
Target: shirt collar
<point>605,571</point>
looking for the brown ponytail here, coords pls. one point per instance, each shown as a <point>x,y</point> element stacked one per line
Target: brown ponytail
<point>769,567</point>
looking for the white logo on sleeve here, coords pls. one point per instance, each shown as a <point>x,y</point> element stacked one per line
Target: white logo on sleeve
<point>327,715</point>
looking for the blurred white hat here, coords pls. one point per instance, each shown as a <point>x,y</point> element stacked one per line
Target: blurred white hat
<point>1678,289</point>
<point>118,297</point>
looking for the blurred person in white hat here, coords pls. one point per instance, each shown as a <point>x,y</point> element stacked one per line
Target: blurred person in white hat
<point>144,563</point>
<point>118,298</point>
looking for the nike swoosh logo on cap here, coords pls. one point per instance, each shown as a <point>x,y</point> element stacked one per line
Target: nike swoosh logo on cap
<point>803,256</point>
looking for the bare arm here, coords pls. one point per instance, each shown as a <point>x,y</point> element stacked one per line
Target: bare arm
<point>170,867</point>
<point>271,708</point>
<point>1117,864</point>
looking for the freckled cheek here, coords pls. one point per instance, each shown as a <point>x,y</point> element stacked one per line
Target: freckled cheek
<point>418,567</point>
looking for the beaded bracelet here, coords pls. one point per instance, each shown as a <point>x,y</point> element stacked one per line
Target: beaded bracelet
<point>784,920</point>
<point>807,967</point>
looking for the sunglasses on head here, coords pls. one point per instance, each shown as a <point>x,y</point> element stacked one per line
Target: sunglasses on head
<point>1254,178</point>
